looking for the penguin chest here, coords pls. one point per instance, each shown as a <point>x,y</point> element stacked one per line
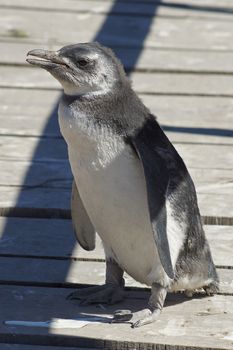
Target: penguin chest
<point>111,183</point>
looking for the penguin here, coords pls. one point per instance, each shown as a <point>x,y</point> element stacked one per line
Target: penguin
<point>130,184</point>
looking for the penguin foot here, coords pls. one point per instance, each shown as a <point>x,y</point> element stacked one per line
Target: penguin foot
<point>145,316</point>
<point>136,319</point>
<point>212,288</point>
<point>105,294</point>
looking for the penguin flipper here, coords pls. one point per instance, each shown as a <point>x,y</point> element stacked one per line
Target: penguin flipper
<point>84,230</point>
<point>157,180</point>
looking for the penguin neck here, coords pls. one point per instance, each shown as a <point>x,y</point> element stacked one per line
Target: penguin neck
<point>86,93</point>
<point>94,91</point>
<point>120,109</point>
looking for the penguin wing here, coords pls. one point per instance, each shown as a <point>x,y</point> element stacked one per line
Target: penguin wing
<point>157,181</point>
<point>84,230</point>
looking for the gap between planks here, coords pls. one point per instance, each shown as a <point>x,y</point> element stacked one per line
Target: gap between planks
<point>129,70</point>
<point>57,213</point>
<point>149,93</point>
<point>79,274</point>
<point>204,322</point>
<point>71,258</point>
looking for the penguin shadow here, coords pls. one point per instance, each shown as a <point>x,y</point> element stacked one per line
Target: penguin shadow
<point>134,300</point>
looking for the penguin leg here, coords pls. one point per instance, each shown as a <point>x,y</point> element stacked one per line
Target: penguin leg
<point>145,316</point>
<point>109,293</point>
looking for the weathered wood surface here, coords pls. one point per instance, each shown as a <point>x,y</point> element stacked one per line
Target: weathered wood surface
<point>18,148</point>
<point>149,60</point>
<point>190,111</point>
<point>200,322</point>
<point>55,239</point>
<point>56,272</point>
<point>38,197</point>
<point>181,65</point>
<point>57,199</point>
<point>121,30</point>
<point>28,148</point>
<point>205,9</point>
<point>152,83</point>
<point>38,347</point>
<point>207,119</point>
<point>37,184</point>
<point>47,174</point>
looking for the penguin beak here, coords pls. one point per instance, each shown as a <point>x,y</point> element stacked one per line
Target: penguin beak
<point>45,59</point>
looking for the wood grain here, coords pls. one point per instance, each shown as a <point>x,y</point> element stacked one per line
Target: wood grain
<point>47,184</point>
<point>144,83</point>
<point>183,322</point>
<point>181,62</point>
<point>123,30</point>
<point>185,118</point>
<point>149,60</point>
<point>55,239</point>
<point>55,272</point>
<point>200,9</point>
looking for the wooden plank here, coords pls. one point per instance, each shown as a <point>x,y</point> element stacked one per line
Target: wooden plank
<point>48,185</point>
<point>204,9</point>
<point>50,174</point>
<point>212,181</point>
<point>19,117</point>
<point>36,148</point>
<point>190,111</point>
<point>221,243</point>
<point>149,59</point>
<point>199,156</point>
<point>152,83</point>
<point>56,272</point>
<point>205,322</point>
<point>67,4</point>
<point>43,149</point>
<point>56,199</point>
<point>184,115</point>
<point>215,204</point>
<point>175,84</point>
<point>119,30</point>
<point>55,239</point>
<point>37,347</point>
<point>183,84</point>
<point>55,202</point>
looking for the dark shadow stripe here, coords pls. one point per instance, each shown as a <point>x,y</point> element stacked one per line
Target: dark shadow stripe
<point>199,131</point>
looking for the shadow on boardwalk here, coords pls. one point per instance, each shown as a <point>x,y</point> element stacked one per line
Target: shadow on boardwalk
<point>107,30</point>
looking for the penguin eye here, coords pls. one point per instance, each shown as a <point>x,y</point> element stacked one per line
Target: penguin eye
<point>82,63</point>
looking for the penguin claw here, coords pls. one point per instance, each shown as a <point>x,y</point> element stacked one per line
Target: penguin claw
<point>137,319</point>
<point>145,317</point>
<point>122,316</point>
<point>212,288</point>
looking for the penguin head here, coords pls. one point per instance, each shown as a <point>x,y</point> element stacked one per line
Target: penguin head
<point>86,68</point>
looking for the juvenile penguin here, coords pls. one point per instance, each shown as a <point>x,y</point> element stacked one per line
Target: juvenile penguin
<point>130,184</point>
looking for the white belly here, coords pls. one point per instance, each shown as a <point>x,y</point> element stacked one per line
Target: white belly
<point>111,183</point>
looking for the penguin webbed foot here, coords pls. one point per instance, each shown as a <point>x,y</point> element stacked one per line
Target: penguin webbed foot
<point>137,319</point>
<point>212,288</point>
<point>105,294</point>
<point>145,316</point>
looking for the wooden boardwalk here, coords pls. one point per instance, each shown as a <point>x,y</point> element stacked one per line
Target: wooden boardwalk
<point>179,55</point>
